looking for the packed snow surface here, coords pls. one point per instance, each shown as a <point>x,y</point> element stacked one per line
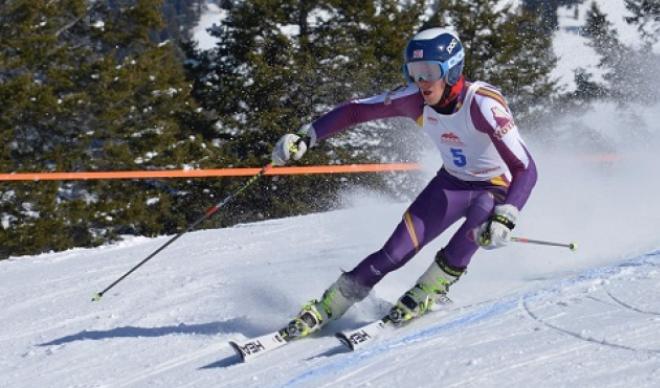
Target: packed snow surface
<point>523,315</point>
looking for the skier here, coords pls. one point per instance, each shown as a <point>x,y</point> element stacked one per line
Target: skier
<point>486,177</point>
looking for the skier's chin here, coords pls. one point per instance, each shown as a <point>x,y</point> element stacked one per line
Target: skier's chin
<point>430,98</point>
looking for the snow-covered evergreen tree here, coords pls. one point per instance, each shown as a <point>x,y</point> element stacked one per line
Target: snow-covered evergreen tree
<point>88,86</point>
<point>630,67</point>
<point>646,15</point>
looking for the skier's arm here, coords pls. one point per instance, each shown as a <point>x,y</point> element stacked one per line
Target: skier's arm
<point>402,102</point>
<point>492,116</point>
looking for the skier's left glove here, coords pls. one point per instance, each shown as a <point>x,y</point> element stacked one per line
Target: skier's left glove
<point>496,232</point>
<point>293,146</point>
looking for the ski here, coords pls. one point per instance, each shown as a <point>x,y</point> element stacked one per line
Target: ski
<point>354,339</point>
<point>358,338</point>
<point>252,347</point>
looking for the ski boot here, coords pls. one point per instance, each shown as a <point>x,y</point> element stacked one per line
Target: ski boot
<point>341,295</point>
<point>431,289</point>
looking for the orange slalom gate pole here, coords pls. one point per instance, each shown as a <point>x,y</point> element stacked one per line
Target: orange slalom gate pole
<point>206,173</point>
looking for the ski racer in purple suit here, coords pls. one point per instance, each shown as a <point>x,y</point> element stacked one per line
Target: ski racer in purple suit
<point>486,178</point>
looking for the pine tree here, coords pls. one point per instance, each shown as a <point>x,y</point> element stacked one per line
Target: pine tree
<point>180,17</point>
<point>629,72</point>
<point>646,15</point>
<point>279,64</point>
<point>586,89</point>
<point>547,10</point>
<point>36,93</point>
<point>89,86</point>
<point>604,39</point>
<point>145,120</point>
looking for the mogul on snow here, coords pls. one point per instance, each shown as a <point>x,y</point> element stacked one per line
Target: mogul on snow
<point>486,177</point>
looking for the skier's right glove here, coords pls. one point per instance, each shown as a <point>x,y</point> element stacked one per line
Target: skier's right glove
<point>293,146</point>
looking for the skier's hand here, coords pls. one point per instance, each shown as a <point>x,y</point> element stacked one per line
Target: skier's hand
<point>289,146</point>
<point>496,232</point>
<point>293,146</point>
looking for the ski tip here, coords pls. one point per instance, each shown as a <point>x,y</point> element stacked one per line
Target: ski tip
<point>238,350</point>
<point>344,340</point>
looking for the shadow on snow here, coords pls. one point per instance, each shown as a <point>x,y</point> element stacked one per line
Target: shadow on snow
<point>235,325</point>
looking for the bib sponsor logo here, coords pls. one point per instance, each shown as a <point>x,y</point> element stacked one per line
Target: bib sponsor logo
<point>450,138</point>
<point>503,121</point>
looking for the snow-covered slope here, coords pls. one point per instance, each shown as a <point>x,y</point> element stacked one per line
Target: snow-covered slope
<point>523,315</point>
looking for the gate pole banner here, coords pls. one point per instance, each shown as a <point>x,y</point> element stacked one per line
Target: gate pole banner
<point>207,173</point>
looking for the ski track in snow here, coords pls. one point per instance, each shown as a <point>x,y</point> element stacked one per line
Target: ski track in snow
<point>628,306</point>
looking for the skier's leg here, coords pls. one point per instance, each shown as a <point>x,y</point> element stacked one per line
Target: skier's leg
<point>430,288</point>
<point>448,266</point>
<point>431,213</point>
<point>341,295</point>
<point>462,246</point>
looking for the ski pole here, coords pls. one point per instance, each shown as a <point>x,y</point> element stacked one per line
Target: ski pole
<point>191,227</point>
<point>572,246</point>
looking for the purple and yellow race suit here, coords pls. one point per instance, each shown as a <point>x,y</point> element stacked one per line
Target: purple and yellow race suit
<point>485,162</point>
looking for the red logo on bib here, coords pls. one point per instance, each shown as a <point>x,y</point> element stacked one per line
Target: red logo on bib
<point>503,121</point>
<point>451,138</point>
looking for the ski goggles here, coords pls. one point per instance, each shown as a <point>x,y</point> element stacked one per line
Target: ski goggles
<point>431,70</point>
